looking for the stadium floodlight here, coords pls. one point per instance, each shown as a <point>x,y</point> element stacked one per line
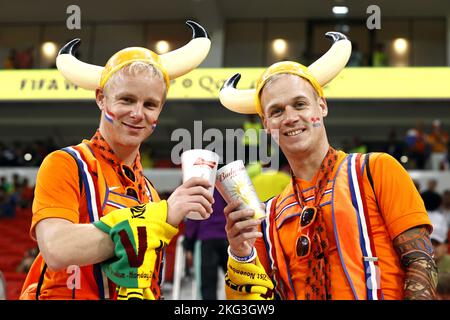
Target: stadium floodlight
<point>279,46</point>
<point>400,45</point>
<point>340,10</point>
<point>49,49</point>
<point>162,46</point>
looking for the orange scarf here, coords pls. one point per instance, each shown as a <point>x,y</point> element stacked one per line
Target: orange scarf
<point>132,177</point>
<point>318,284</point>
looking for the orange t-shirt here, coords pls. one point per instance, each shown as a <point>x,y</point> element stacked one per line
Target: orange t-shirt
<point>402,208</point>
<point>57,195</point>
<point>57,191</point>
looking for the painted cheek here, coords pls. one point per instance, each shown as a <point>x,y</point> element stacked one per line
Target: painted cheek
<point>315,122</point>
<point>154,125</point>
<point>110,117</point>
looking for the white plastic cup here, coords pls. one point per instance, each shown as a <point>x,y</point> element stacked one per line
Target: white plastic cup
<point>199,163</point>
<point>233,183</point>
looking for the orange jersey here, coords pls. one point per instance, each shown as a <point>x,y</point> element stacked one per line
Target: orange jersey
<point>400,208</point>
<point>81,184</point>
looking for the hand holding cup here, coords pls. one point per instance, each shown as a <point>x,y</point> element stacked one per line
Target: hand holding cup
<point>233,183</point>
<point>198,163</point>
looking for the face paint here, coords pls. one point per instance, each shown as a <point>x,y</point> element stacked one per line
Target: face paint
<point>109,116</point>
<point>154,125</point>
<point>316,122</point>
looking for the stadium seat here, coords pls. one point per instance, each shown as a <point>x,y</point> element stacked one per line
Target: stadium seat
<point>14,282</point>
<point>14,242</point>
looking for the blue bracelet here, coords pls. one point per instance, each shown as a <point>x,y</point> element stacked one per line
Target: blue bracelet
<point>246,259</point>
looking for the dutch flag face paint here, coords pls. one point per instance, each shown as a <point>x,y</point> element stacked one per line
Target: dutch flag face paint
<point>109,116</point>
<point>154,125</point>
<point>315,122</point>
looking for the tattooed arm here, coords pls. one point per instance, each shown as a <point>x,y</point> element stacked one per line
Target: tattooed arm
<point>416,255</point>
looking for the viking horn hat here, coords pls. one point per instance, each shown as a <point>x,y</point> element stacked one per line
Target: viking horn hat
<point>322,71</point>
<point>172,64</point>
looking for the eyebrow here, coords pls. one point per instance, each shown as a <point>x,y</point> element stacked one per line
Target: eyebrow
<point>127,94</point>
<point>294,99</point>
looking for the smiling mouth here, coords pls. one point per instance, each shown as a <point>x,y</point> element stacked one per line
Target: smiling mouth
<point>294,132</point>
<point>131,126</point>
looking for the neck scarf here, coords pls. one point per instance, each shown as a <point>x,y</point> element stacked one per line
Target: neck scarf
<point>318,284</point>
<point>131,177</point>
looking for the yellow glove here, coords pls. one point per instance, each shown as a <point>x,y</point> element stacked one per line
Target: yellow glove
<point>137,233</point>
<point>151,211</point>
<point>247,281</point>
<point>134,294</point>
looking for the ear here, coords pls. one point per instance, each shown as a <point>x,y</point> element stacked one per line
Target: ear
<point>264,123</point>
<point>323,106</point>
<point>100,98</point>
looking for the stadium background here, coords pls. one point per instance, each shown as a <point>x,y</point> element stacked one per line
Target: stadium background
<point>36,117</point>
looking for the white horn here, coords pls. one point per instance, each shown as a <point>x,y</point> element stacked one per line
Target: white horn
<point>241,101</point>
<point>84,75</point>
<point>334,60</point>
<point>188,57</point>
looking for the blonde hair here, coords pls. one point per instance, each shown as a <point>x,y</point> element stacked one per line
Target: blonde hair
<point>137,68</point>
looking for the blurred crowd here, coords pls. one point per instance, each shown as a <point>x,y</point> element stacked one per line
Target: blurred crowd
<point>14,194</point>
<point>19,59</point>
<point>429,150</point>
<point>438,208</point>
<point>25,58</point>
<point>31,154</point>
<point>418,150</point>
<point>22,154</point>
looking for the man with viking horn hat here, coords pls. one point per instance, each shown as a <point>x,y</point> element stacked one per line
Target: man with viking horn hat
<point>348,226</point>
<point>99,222</point>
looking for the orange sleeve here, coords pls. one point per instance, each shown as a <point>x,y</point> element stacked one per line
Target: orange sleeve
<point>400,203</point>
<point>57,193</point>
<point>262,253</point>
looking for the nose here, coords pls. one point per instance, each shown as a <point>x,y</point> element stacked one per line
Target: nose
<point>291,115</point>
<point>137,112</point>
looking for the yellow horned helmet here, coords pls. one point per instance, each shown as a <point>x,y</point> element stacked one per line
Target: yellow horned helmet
<point>322,71</point>
<point>172,64</point>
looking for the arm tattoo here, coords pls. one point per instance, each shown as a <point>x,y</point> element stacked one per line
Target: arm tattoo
<point>416,255</point>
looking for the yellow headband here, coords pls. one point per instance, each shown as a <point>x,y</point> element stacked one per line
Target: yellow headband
<point>280,68</point>
<point>129,55</point>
